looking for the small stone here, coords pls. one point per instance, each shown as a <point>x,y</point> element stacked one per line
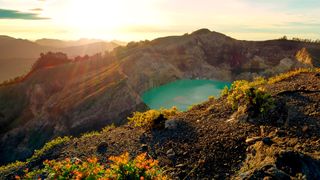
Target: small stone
<point>180,165</point>
<point>144,147</point>
<point>171,153</point>
<point>201,162</point>
<point>262,131</point>
<point>253,140</point>
<point>267,141</point>
<point>267,178</point>
<point>102,147</point>
<point>159,123</point>
<point>281,133</point>
<point>171,124</point>
<point>305,129</point>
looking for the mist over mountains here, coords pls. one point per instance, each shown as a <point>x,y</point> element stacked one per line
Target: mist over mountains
<point>17,55</point>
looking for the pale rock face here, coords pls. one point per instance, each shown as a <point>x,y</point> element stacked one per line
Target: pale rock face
<point>37,97</point>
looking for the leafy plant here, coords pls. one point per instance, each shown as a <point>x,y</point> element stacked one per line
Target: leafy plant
<point>257,100</point>
<point>119,167</point>
<point>108,128</point>
<point>224,91</point>
<point>145,119</point>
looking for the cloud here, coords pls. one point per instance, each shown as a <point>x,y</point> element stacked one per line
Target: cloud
<point>36,9</point>
<point>14,14</point>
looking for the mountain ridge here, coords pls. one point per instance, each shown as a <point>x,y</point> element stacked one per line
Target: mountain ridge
<point>76,97</point>
<point>18,55</point>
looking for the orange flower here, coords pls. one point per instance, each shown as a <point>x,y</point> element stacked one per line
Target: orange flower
<point>92,160</point>
<point>141,178</point>
<point>68,166</point>
<point>17,177</point>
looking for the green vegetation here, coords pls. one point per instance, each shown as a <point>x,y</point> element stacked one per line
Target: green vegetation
<point>285,38</point>
<point>242,92</point>
<point>253,96</point>
<point>146,119</point>
<point>289,74</point>
<point>90,134</point>
<point>304,56</point>
<point>224,91</point>
<point>12,167</point>
<point>97,133</point>
<point>108,128</point>
<point>210,98</point>
<point>13,80</point>
<point>120,167</point>
<point>48,146</point>
<point>15,166</point>
<point>50,59</point>
<point>37,154</point>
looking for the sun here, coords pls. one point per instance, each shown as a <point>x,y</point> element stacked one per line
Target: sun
<point>93,14</point>
<point>94,17</point>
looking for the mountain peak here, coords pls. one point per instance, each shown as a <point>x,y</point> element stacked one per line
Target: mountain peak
<point>201,31</point>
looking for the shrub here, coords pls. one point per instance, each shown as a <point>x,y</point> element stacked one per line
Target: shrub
<point>145,119</point>
<point>108,128</point>
<point>224,91</point>
<point>50,59</point>
<point>257,100</point>
<point>210,98</point>
<point>304,56</point>
<point>119,167</point>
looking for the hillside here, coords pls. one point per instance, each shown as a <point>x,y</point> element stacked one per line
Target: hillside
<point>18,55</point>
<point>213,140</point>
<point>76,97</point>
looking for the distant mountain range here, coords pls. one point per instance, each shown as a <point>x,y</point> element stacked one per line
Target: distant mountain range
<point>17,55</point>
<point>75,97</point>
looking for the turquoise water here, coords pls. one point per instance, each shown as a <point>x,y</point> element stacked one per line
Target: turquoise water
<point>182,93</point>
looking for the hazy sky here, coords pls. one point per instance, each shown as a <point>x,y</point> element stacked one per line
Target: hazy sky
<point>147,19</point>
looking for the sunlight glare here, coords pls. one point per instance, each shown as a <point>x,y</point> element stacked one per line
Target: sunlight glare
<point>96,16</point>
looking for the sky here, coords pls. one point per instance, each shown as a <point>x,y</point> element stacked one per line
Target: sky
<point>133,20</point>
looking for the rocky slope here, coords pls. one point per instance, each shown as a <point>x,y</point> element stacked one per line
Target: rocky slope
<point>77,97</point>
<point>208,142</point>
